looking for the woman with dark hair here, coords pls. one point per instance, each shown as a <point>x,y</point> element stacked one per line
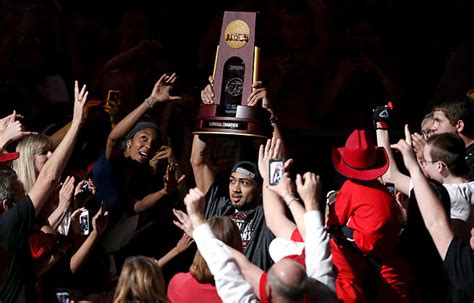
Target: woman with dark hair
<point>198,283</point>
<point>122,173</point>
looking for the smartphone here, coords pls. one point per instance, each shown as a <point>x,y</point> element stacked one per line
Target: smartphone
<point>277,168</point>
<point>63,296</point>
<point>84,223</point>
<point>113,96</point>
<point>391,188</point>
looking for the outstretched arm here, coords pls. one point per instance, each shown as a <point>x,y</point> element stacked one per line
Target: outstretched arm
<point>259,92</point>
<point>65,198</point>
<point>231,285</point>
<point>203,171</point>
<point>318,253</point>
<point>393,174</point>
<point>99,224</point>
<point>160,93</point>
<point>49,176</point>
<point>181,246</point>
<point>11,130</point>
<point>170,185</point>
<point>434,216</point>
<point>275,196</point>
<point>251,272</point>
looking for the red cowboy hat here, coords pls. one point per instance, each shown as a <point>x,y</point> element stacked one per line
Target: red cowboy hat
<point>360,159</point>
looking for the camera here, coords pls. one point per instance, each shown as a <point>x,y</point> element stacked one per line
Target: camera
<point>84,223</point>
<point>85,188</point>
<point>277,168</point>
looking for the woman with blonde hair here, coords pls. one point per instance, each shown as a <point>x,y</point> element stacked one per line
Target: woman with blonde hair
<point>34,150</point>
<point>141,281</point>
<point>198,284</point>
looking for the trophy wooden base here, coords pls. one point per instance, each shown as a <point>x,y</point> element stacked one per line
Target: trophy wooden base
<point>248,121</point>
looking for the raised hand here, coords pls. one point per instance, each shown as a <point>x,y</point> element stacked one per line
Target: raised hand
<point>195,202</point>
<point>381,117</point>
<point>405,148</point>
<point>183,222</point>
<point>258,93</point>
<point>82,195</point>
<point>184,243</point>
<point>418,143</point>
<point>99,222</point>
<point>169,179</point>
<point>11,129</point>
<point>309,189</point>
<point>285,188</point>
<point>207,94</point>
<point>271,150</point>
<point>80,98</point>
<point>162,88</point>
<point>74,227</point>
<point>164,152</point>
<point>66,192</point>
<point>265,154</point>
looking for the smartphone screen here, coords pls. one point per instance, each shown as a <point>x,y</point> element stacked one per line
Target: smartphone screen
<point>113,96</point>
<point>84,222</point>
<point>391,188</point>
<point>63,296</point>
<point>277,169</point>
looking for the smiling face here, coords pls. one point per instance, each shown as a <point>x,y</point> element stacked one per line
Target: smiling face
<point>243,191</point>
<point>141,147</point>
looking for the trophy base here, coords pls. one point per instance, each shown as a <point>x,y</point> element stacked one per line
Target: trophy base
<point>248,121</point>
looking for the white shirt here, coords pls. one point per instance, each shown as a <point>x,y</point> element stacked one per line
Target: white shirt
<point>318,252</point>
<point>462,200</point>
<point>230,284</point>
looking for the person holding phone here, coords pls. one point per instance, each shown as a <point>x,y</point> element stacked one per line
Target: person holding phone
<point>240,197</point>
<point>123,171</point>
<point>276,171</point>
<point>18,211</point>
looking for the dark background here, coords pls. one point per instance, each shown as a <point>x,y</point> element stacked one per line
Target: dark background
<point>76,39</point>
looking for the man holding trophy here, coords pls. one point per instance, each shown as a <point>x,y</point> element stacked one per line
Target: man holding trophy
<point>235,108</point>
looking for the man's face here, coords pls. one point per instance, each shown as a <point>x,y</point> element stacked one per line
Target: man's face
<point>441,124</point>
<point>243,191</point>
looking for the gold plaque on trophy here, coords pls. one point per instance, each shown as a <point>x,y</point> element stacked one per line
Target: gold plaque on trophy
<point>235,70</point>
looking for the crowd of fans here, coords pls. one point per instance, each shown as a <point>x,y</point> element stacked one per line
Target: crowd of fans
<point>120,201</point>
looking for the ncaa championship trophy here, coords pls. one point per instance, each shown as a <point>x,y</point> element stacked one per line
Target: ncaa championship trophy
<point>235,69</point>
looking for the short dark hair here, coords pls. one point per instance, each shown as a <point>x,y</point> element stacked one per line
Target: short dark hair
<point>449,148</point>
<point>7,189</point>
<point>248,167</point>
<point>458,109</point>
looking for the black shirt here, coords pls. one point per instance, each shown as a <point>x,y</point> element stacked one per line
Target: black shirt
<point>17,283</point>
<point>256,236</point>
<point>459,263</point>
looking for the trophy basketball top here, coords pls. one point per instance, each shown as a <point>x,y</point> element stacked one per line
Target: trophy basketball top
<point>235,70</point>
